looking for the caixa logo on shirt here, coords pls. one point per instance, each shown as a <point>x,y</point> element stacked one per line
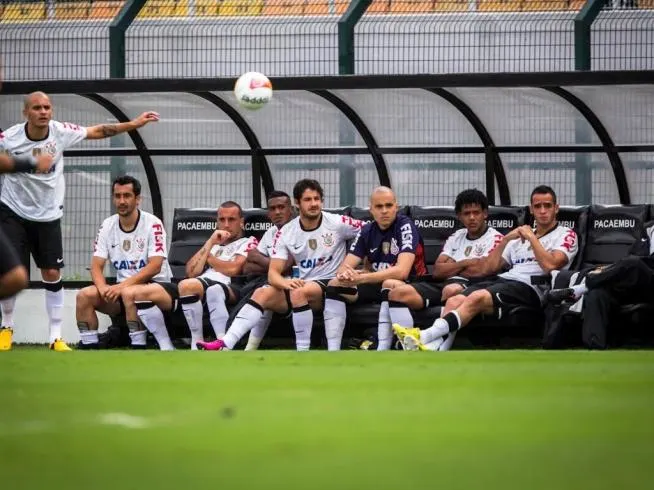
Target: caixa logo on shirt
<point>313,263</point>
<point>129,265</point>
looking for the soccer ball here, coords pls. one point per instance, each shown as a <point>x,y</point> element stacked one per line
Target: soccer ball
<point>253,90</point>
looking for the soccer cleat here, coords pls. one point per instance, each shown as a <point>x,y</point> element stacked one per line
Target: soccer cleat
<point>5,338</point>
<point>409,337</point>
<point>561,295</point>
<point>60,346</point>
<point>215,345</point>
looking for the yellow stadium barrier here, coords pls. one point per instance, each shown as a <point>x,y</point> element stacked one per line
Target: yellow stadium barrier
<point>240,8</point>
<point>72,10</point>
<point>24,12</point>
<point>163,8</point>
<point>305,7</point>
<point>379,7</point>
<point>499,5</point>
<point>105,9</point>
<point>544,6</point>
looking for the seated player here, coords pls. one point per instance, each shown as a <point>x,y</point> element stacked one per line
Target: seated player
<point>134,241</point>
<point>527,252</point>
<point>457,265</point>
<point>210,271</point>
<point>630,280</point>
<point>316,241</point>
<point>392,245</point>
<point>13,274</point>
<point>280,212</point>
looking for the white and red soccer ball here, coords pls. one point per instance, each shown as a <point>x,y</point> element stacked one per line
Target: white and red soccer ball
<point>253,90</point>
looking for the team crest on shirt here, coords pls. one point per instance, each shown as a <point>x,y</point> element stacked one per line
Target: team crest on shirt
<point>395,249</point>
<point>386,247</point>
<point>313,243</point>
<point>127,245</point>
<point>140,244</point>
<point>37,152</point>
<point>328,239</point>
<point>479,250</point>
<point>50,148</point>
<point>467,251</point>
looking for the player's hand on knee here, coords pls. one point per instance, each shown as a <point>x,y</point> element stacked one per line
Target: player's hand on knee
<point>294,283</point>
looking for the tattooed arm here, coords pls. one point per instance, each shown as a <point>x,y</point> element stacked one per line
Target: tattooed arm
<point>108,130</point>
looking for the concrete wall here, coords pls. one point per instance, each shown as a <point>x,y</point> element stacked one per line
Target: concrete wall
<point>31,319</point>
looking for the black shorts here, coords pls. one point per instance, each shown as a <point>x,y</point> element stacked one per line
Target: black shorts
<point>287,293</point>
<point>430,292</point>
<point>41,239</point>
<point>172,290</point>
<point>507,294</point>
<point>368,293</point>
<point>9,259</point>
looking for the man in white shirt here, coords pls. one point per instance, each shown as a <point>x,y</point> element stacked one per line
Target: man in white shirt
<point>280,212</point>
<point>31,205</point>
<point>456,267</point>
<point>134,241</point>
<point>316,241</point>
<point>210,270</point>
<point>526,253</point>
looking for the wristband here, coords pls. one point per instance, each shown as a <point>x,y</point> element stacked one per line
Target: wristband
<point>24,163</point>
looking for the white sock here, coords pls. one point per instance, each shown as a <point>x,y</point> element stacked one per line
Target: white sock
<point>246,319</point>
<point>259,331</point>
<point>400,314</point>
<point>153,319</point>
<point>87,336</point>
<point>302,324</point>
<point>216,304</point>
<point>192,308</point>
<point>435,345</point>
<point>447,343</point>
<point>54,305</point>
<point>138,337</point>
<point>441,327</point>
<point>7,307</point>
<point>384,328</point>
<point>334,314</point>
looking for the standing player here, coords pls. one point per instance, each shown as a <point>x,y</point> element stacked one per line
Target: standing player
<point>31,205</point>
<point>459,263</point>
<point>316,241</point>
<point>394,250</point>
<point>527,252</point>
<point>134,241</point>
<point>13,274</point>
<point>280,212</point>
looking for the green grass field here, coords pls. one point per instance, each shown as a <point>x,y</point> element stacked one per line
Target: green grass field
<point>231,420</point>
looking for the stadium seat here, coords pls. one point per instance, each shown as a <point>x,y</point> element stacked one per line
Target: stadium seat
<point>107,9</point>
<point>191,229</point>
<point>544,5</point>
<point>379,7</point>
<point>506,218</point>
<point>612,231</point>
<point>24,12</point>
<point>411,7</point>
<point>72,10</point>
<point>256,222</point>
<point>163,9</point>
<point>435,224</point>
<point>499,5</point>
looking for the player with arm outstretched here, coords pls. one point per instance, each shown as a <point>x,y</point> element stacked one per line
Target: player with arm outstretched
<point>31,204</point>
<point>458,265</point>
<point>316,241</point>
<point>527,253</point>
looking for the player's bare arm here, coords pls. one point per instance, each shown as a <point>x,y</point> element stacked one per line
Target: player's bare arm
<point>494,262</point>
<point>548,261</point>
<point>25,164</point>
<point>256,263</point>
<point>97,275</point>
<point>347,270</point>
<point>400,271</point>
<point>108,130</point>
<point>446,267</point>
<point>277,280</point>
<point>230,268</point>
<point>195,266</point>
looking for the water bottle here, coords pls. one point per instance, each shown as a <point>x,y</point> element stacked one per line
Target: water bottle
<point>295,272</point>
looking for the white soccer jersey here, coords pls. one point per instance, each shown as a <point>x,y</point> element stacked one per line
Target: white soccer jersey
<point>266,242</point>
<point>319,252</point>
<point>520,255</point>
<point>459,247</point>
<point>38,197</point>
<point>228,253</point>
<point>129,251</point>
<point>650,234</point>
